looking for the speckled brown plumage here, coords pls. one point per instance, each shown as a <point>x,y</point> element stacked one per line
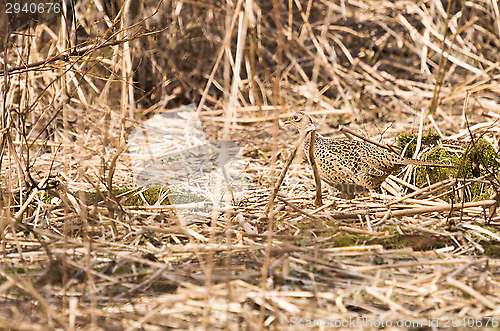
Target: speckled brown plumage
<point>352,166</point>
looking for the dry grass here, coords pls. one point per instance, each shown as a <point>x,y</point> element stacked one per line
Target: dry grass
<point>84,247</point>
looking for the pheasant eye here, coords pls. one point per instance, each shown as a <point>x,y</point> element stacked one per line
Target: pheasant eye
<point>296,118</point>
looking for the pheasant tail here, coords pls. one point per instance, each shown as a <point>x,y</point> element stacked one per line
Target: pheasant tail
<point>428,163</point>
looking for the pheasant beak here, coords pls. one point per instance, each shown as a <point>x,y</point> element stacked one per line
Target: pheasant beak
<point>287,122</point>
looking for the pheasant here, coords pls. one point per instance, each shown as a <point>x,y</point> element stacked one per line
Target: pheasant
<point>353,166</point>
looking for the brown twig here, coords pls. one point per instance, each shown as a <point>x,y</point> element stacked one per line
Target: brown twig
<point>277,186</point>
<point>318,201</point>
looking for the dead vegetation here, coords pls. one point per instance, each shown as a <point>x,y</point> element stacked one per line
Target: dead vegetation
<point>83,246</point>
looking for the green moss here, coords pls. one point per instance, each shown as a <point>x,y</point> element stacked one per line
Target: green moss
<point>346,239</point>
<point>416,241</point>
<point>492,250</point>
<point>430,175</point>
<point>481,154</point>
<point>134,197</point>
<point>408,142</point>
<point>151,195</point>
<point>492,229</point>
<point>312,268</point>
<point>181,197</point>
<point>300,243</point>
<point>131,197</point>
<point>377,260</point>
<point>309,225</point>
<point>46,197</point>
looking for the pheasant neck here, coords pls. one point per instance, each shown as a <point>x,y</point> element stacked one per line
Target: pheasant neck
<point>307,140</point>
